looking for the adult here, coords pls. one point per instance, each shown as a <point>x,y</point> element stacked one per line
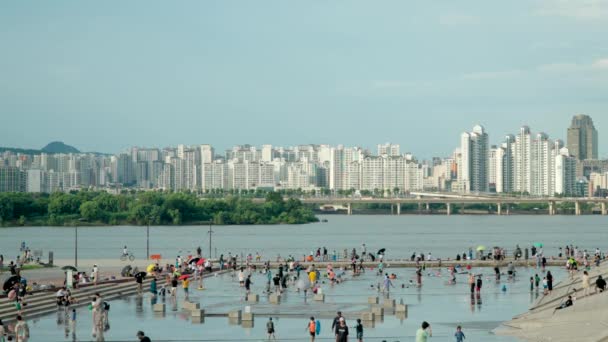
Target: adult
<point>425,331</point>
<point>248,284</point>
<point>270,329</point>
<point>565,304</point>
<point>142,337</point>
<point>95,274</point>
<point>342,331</point>
<point>600,283</point>
<point>22,330</point>
<point>336,321</point>
<point>549,282</point>
<point>585,283</point>
<point>472,282</point>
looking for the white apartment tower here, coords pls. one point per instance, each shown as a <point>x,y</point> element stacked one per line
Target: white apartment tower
<point>474,149</point>
<point>521,161</point>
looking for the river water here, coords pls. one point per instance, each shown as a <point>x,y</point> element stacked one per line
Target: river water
<point>443,236</point>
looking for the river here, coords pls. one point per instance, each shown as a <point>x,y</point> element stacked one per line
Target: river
<point>443,236</point>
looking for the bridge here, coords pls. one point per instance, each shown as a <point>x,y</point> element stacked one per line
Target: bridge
<point>451,200</point>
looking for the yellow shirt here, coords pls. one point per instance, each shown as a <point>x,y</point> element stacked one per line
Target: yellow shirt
<point>186,283</point>
<point>312,276</point>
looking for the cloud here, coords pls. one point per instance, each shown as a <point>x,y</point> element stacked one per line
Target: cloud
<point>598,64</point>
<point>576,9</point>
<point>558,67</point>
<point>492,75</point>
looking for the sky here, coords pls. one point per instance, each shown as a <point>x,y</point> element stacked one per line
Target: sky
<point>107,75</point>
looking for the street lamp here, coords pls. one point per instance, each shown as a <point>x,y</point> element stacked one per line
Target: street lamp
<point>148,239</point>
<point>76,241</point>
<point>210,232</point>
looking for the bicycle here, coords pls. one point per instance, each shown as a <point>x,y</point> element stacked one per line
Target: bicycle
<point>125,256</point>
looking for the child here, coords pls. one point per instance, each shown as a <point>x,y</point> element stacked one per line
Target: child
<point>531,284</point>
<point>545,285</point>
<point>459,334</point>
<point>186,284</point>
<point>359,330</point>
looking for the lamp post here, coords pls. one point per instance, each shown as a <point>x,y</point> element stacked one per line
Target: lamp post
<point>76,242</point>
<point>210,232</point>
<point>148,239</point>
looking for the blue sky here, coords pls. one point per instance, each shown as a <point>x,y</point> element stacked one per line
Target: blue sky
<point>107,75</point>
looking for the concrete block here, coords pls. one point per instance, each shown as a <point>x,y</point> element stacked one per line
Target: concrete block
<point>198,313</point>
<point>389,303</point>
<point>319,298</point>
<point>378,311</point>
<point>401,315</point>
<point>373,300</point>
<point>234,321</point>
<point>236,314</point>
<point>247,324</point>
<point>197,319</point>
<point>247,317</point>
<point>402,308</point>
<point>159,307</point>
<point>275,298</point>
<point>368,316</point>
<point>253,298</point>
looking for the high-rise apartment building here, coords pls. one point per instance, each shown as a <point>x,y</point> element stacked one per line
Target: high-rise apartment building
<point>12,179</point>
<point>582,138</point>
<point>521,161</point>
<point>565,173</point>
<point>391,150</point>
<point>474,171</point>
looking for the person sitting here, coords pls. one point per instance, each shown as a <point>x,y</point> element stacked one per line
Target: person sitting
<point>565,304</point>
<point>600,284</point>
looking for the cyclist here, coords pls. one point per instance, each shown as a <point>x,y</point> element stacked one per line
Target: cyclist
<point>125,251</point>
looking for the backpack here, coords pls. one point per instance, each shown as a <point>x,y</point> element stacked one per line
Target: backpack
<point>106,306</point>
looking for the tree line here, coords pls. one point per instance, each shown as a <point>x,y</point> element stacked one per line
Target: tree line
<point>147,207</point>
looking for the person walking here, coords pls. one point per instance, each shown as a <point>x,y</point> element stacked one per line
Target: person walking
<point>359,330</point>
<point>186,286</point>
<point>472,282</point>
<point>549,282</point>
<point>248,284</point>
<point>424,332</point>
<point>311,327</point>
<point>336,321</point>
<point>459,334</point>
<point>600,284</point>
<point>22,330</point>
<point>95,274</point>
<point>585,283</point>
<point>479,283</point>
<point>342,331</point>
<point>270,329</point>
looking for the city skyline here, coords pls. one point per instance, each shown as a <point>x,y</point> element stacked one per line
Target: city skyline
<point>526,163</point>
<point>330,72</point>
<point>494,140</point>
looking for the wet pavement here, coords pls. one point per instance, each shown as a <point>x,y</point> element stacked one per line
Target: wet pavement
<point>444,306</point>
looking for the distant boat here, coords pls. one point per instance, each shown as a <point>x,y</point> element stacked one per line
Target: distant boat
<point>324,220</point>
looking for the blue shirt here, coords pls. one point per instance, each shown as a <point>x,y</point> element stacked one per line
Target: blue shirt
<point>459,336</point>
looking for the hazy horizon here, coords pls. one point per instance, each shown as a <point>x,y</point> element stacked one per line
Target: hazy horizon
<point>107,76</point>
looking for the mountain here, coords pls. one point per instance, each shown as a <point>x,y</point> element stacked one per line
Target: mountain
<point>59,147</point>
